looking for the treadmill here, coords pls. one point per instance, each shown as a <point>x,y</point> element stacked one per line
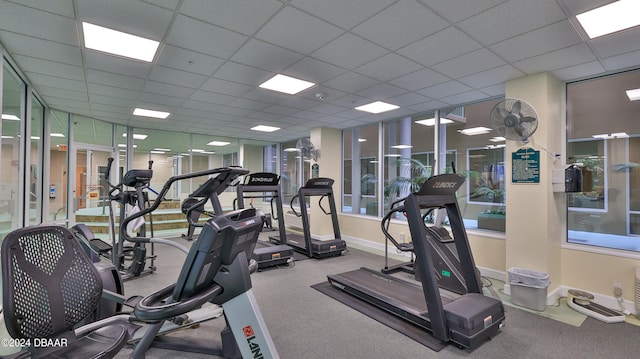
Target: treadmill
<point>467,320</point>
<point>319,187</point>
<point>264,185</point>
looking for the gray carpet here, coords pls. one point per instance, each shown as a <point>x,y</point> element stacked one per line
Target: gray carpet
<point>307,324</point>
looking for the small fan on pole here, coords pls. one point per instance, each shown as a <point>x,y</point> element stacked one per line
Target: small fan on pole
<point>514,120</point>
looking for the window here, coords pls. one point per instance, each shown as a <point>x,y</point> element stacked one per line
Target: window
<point>603,138</point>
<point>360,176</point>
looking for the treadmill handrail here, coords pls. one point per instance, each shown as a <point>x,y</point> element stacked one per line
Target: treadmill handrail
<point>320,205</point>
<point>293,209</point>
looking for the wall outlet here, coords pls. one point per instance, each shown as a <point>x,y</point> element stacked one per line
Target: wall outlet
<point>617,289</point>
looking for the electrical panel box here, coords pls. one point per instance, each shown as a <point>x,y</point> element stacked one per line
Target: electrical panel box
<point>568,179</point>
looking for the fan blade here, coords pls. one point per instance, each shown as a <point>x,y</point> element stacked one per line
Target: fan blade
<point>519,129</point>
<point>516,108</point>
<point>503,113</point>
<point>527,119</point>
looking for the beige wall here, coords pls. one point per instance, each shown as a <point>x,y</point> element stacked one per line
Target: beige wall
<point>328,141</point>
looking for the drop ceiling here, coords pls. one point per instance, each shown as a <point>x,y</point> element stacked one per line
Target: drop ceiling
<point>419,55</point>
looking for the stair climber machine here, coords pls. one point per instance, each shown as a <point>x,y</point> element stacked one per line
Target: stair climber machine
<point>315,187</point>
<point>467,320</point>
<point>263,185</point>
<point>129,260</point>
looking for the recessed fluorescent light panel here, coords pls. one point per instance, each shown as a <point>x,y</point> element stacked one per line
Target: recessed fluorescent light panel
<point>137,136</point>
<point>633,95</point>
<point>118,43</point>
<point>56,134</point>
<point>475,131</point>
<point>10,117</point>
<point>497,139</point>
<point>377,107</point>
<point>432,121</point>
<point>150,113</point>
<point>157,152</point>
<point>218,143</point>
<point>362,140</point>
<point>264,128</point>
<point>402,147</point>
<point>291,149</point>
<point>610,18</point>
<point>286,84</point>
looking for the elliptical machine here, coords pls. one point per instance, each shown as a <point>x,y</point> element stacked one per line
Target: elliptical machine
<point>137,199</point>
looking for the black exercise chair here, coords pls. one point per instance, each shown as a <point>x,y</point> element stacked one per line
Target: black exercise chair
<point>49,286</point>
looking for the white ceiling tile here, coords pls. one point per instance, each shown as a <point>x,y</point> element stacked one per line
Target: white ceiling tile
<point>244,74</point>
<point>419,79</point>
<point>167,4</point>
<point>403,22</point>
<point>618,43</point>
<point>249,104</point>
<point>494,90</point>
<point>244,16</point>
<point>297,31</point>
<point>201,37</point>
<point>349,51</point>
<point>574,55</point>
<point>349,101</point>
<point>408,99</point>
<point>116,65</point>
<point>114,79</point>
<point>622,61</point>
<point>540,41</point>
<point>438,47</point>
<point>161,88</point>
<point>512,18</point>
<point>160,102</point>
<point>213,97</point>
<point>313,70</point>
<point>116,101</point>
<point>32,64</point>
<point>427,106</point>
<point>465,97</point>
<point>59,82</point>
<point>265,56</point>
<point>60,7</point>
<point>351,82</point>
<point>476,61</point>
<point>112,91</point>
<point>300,103</point>
<point>328,109</point>
<point>456,10</point>
<point>47,91</point>
<point>381,92</point>
<point>190,61</point>
<point>21,19</point>
<point>309,115</point>
<point>388,67</point>
<point>225,87</point>
<point>342,13</point>
<point>445,89</point>
<point>39,48</point>
<point>281,110</point>
<point>264,95</point>
<point>139,18</point>
<point>176,77</point>
<point>577,71</point>
<point>490,77</point>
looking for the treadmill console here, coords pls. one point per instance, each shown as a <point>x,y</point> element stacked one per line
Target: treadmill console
<point>320,182</point>
<point>261,179</point>
<point>444,184</point>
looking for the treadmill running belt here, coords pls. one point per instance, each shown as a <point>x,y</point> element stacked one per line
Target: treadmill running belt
<point>414,332</point>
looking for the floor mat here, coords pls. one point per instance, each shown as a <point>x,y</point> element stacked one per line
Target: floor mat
<point>414,332</point>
